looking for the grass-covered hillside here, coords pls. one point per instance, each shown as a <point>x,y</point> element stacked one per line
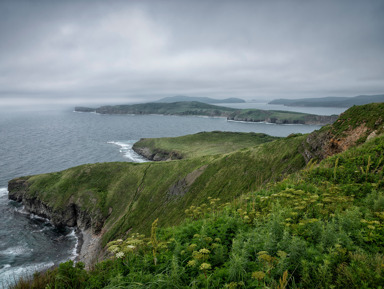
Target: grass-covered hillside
<point>264,216</point>
<point>196,145</point>
<point>121,197</point>
<point>322,227</point>
<point>205,109</point>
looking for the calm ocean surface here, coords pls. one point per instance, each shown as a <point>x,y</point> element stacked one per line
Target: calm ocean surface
<point>40,141</point>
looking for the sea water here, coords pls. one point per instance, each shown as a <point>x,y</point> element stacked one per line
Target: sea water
<point>34,141</point>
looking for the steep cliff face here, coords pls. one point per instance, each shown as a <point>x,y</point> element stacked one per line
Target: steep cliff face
<point>157,154</point>
<point>71,215</point>
<point>353,127</point>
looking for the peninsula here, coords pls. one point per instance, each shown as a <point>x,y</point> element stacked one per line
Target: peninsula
<point>194,108</point>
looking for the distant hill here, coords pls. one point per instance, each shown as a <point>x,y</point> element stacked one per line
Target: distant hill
<point>179,98</point>
<point>331,101</point>
<point>205,109</point>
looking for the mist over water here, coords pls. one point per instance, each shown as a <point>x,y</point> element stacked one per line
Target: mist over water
<point>46,140</point>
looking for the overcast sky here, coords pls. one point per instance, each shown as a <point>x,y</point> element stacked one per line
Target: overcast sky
<point>136,51</point>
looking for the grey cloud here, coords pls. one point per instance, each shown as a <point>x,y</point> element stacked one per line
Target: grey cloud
<point>140,50</point>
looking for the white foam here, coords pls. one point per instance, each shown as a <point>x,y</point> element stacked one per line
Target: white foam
<point>5,267</point>
<point>3,192</point>
<point>73,235</point>
<point>36,217</point>
<point>42,230</point>
<point>128,152</point>
<point>251,122</point>
<point>16,251</point>
<point>10,274</point>
<point>22,210</point>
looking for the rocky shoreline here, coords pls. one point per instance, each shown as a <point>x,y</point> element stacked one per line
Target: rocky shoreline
<point>88,228</point>
<point>88,247</point>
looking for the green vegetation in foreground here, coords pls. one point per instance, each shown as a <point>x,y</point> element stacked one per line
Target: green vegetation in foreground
<point>200,144</point>
<point>320,228</point>
<point>204,109</point>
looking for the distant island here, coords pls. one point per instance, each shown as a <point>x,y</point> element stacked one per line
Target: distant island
<point>184,108</point>
<point>179,98</point>
<point>330,101</point>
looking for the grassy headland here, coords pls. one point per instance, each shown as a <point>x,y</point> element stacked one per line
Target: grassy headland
<point>204,109</point>
<point>200,144</point>
<point>262,216</point>
<point>128,196</point>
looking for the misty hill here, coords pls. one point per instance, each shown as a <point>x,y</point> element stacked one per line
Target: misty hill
<point>331,101</point>
<point>179,98</point>
<point>204,109</point>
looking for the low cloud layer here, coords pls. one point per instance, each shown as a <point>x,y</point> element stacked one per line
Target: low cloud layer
<point>133,51</point>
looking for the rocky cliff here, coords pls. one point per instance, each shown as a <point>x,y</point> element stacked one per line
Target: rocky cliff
<point>157,154</point>
<point>89,225</point>
<point>72,215</point>
<point>353,127</point>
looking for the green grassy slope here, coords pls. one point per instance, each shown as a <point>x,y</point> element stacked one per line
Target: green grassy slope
<point>200,144</point>
<point>131,196</point>
<point>322,227</point>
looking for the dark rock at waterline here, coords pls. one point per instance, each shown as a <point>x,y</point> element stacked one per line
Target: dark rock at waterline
<point>71,215</point>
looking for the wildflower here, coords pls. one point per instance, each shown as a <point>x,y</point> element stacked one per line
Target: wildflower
<point>208,239</point>
<point>130,247</point>
<point>197,255</point>
<point>258,275</point>
<point>113,249</point>
<point>192,247</point>
<point>196,236</point>
<point>204,251</point>
<point>205,266</point>
<point>120,255</point>
<point>191,263</point>
<point>281,254</point>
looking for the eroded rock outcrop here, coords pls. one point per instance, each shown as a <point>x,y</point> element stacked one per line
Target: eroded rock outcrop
<point>157,154</point>
<point>71,215</point>
<point>342,135</point>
